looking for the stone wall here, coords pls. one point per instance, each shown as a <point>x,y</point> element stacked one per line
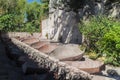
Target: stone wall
<point>62,70</point>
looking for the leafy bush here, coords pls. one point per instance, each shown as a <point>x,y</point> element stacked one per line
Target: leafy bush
<point>31,27</point>
<point>102,36</point>
<point>7,22</point>
<point>94,30</point>
<point>110,45</point>
<point>20,16</point>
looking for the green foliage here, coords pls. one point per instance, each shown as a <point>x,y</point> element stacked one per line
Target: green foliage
<point>110,45</point>
<point>13,16</point>
<point>94,30</point>
<point>18,15</point>
<point>6,22</point>
<point>33,11</point>
<point>30,27</point>
<point>93,55</point>
<point>103,36</point>
<point>44,9</point>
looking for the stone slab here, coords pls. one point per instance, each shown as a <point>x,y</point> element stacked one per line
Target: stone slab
<point>30,41</point>
<point>48,48</point>
<point>88,65</point>
<point>39,44</point>
<point>69,52</point>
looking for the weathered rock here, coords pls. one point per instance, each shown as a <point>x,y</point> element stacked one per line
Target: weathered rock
<point>67,52</point>
<point>88,65</point>
<point>62,27</point>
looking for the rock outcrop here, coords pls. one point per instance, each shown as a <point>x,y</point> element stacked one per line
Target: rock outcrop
<point>62,24</point>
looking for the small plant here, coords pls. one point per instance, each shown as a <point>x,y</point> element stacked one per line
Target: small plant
<point>93,55</point>
<point>46,35</point>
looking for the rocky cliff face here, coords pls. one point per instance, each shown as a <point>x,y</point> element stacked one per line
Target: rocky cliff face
<point>62,24</point>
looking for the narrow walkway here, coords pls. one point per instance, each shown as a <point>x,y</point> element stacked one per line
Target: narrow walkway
<point>8,71</point>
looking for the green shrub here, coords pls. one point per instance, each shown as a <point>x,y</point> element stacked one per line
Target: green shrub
<point>102,35</point>
<point>7,22</point>
<point>109,45</point>
<point>30,27</point>
<point>94,30</point>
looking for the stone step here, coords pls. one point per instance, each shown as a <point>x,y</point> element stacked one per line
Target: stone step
<point>25,38</point>
<point>88,65</point>
<point>69,52</point>
<point>39,44</point>
<point>30,41</point>
<point>48,48</point>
